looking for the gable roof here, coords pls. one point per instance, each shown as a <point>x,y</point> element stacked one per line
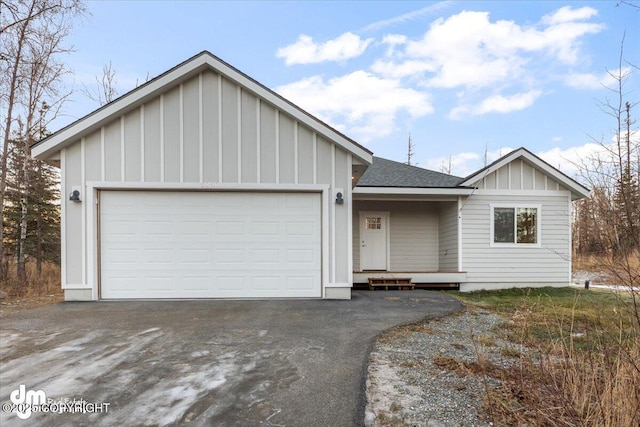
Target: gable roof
<point>578,190</point>
<point>388,173</point>
<point>176,75</point>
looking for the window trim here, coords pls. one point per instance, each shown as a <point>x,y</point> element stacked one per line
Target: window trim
<point>515,206</point>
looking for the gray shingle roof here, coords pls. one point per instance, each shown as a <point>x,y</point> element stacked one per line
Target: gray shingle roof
<point>387,173</point>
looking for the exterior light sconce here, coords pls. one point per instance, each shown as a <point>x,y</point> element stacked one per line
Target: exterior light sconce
<point>75,195</point>
<point>339,199</point>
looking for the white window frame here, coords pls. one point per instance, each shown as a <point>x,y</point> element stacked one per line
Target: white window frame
<point>515,244</point>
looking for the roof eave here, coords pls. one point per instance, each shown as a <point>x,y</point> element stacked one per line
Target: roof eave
<point>435,191</point>
<point>578,191</point>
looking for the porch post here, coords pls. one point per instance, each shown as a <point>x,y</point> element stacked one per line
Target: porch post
<point>459,233</point>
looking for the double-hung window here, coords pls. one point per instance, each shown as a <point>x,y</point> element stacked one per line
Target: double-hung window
<point>515,225</point>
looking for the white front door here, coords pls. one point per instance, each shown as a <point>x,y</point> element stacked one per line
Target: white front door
<point>374,240</point>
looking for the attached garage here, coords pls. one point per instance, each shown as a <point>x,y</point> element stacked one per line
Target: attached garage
<point>159,244</point>
<point>203,183</point>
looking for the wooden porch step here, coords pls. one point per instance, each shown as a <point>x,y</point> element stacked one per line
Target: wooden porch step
<point>400,283</point>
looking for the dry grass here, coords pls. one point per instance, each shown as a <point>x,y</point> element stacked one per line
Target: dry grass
<point>35,285</point>
<point>581,365</point>
<point>463,368</point>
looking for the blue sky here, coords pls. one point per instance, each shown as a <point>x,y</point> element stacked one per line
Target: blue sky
<point>458,76</point>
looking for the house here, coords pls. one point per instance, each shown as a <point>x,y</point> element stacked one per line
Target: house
<point>203,183</point>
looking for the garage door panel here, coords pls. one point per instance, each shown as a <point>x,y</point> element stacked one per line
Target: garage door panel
<point>214,245</point>
<point>305,283</point>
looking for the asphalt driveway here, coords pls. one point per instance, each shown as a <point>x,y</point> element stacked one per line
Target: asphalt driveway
<point>244,363</point>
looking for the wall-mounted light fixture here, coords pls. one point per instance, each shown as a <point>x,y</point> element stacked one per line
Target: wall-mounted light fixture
<point>75,195</point>
<point>339,199</point>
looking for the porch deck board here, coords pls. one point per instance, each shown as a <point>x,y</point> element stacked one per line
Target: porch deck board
<point>418,278</point>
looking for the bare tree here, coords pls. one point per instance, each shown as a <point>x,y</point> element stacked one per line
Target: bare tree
<point>106,90</point>
<point>445,166</point>
<point>410,151</point>
<point>608,224</point>
<point>33,34</point>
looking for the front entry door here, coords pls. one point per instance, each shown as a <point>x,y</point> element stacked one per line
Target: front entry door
<point>374,242</point>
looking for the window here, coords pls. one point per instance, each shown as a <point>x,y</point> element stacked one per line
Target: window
<point>515,225</point>
<point>374,223</point>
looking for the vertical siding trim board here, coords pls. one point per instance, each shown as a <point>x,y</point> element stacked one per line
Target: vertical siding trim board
<point>258,141</point>
<point>102,156</point>
<point>181,132</point>
<point>142,143</point>
<point>200,129</point>
<point>533,178</point>
<point>63,214</point>
<point>315,158</point>
<point>122,153</point>
<point>349,202</point>
<point>84,211</point>
<point>277,116</point>
<point>162,138</point>
<point>570,251</point>
<point>295,152</point>
<point>219,128</point>
<point>325,240</point>
<point>333,213</point>
<point>93,240</point>
<point>239,124</point>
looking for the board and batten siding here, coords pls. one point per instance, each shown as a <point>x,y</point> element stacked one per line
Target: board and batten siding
<point>204,131</point>
<point>494,266</point>
<point>448,236</point>
<point>519,175</point>
<point>413,228</point>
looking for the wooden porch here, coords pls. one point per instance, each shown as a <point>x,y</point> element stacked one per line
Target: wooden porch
<point>420,279</point>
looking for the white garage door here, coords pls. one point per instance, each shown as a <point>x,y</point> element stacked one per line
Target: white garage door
<point>156,244</point>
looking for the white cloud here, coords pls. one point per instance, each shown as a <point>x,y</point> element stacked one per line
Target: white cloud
<point>406,69</point>
<point>567,14</point>
<point>593,81</point>
<point>469,50</point>
<point>497,104</point>
<point>569,159</point>
<point>306,51</point>
<point>364,105</point>
<point>414,14</point>
<point>393,40</point>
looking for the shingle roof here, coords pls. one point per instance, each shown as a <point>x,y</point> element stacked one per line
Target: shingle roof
<point>387,173</point>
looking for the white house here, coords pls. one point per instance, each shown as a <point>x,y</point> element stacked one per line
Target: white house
<point>203,183</point>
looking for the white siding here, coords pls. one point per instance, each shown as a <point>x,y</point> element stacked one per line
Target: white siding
<point>206,130</point>
<point>516,266</point>
<point>519,175</point>
<point>448,236</point>
<point>413,234</point>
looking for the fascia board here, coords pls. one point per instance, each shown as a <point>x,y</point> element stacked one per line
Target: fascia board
<point>413,191</point>
<point>549,170</point>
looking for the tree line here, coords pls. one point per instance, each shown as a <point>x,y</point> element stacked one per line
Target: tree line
<point>32,93</point>
<point>606,225</point>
